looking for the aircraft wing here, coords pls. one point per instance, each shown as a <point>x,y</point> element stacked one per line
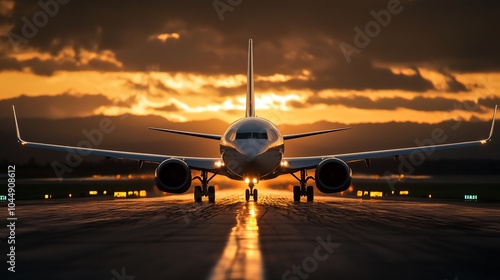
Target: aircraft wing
<point>196,163</point>
<point>306,134</point>
<point>297,163</point>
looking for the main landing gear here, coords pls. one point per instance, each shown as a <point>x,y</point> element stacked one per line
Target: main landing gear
<point>302,190</point>
<point>251,192</point>
<point>204,189</point>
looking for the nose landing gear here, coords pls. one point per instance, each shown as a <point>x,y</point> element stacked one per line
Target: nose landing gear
<point>251,192</point>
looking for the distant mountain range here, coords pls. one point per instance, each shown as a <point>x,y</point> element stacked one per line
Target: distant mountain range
<point>131,134</point>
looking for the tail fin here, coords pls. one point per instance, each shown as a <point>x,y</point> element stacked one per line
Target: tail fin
<point>250,111</point>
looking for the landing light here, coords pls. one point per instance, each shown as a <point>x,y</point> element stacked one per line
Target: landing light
<point>483,142</point>
<point>219,163</point>
<point>247,180</point>
<point>284,163</point>
<point>254,180</point>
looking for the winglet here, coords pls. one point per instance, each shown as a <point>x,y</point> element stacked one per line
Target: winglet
<point>250,110</point>
<point>17,128</point>
<point>492,124</point>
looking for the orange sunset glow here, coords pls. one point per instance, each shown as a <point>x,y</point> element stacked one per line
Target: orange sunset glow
<point>375,66</point>
<point>187,63</point>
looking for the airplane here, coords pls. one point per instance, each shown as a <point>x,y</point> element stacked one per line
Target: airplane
<point>252,150</point>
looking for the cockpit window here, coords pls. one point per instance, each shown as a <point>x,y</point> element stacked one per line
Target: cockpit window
<point>251,135</point>
<point>243,135</point>
<point>259,135</point>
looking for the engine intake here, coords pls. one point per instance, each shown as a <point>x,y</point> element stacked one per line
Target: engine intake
<point>173,176</point>
<point>333,175</point>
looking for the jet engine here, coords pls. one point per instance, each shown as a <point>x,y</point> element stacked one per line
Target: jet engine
<point>173,176</point>
<point>333,175</point>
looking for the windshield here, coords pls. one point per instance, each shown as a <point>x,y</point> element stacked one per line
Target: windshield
<point>251,135</point>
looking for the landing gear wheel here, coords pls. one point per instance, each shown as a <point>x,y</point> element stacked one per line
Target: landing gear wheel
<point>211,194</point>
<point>247,195</point>
<point>197,194</point>
<point>310,193</point>
<point>255,195</point>
<point>296,193</point>
<point>204,189</point>
<point>302,190</point>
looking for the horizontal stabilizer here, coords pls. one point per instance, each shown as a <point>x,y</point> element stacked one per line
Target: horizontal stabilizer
<point>195,134</point>
<point>306,134</point>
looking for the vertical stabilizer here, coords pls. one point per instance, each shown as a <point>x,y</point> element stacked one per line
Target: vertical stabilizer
<point>250,112</point>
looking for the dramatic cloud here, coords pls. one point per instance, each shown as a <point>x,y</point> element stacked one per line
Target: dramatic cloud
<point>60,106</point>
<point>417,103</point>
<point>186,61</point>
<point>181,36</point>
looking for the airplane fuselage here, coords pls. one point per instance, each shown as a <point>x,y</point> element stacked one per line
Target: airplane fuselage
<point>252,149</point>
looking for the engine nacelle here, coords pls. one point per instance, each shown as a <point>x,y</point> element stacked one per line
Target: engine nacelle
<point>333,175</point>
<point>173,176</point>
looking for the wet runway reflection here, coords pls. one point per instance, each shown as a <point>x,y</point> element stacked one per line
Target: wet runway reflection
<point>174,238</point>
<point>241,258</point>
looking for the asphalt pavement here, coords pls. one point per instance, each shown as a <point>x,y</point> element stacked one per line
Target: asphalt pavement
<point>332,238</point>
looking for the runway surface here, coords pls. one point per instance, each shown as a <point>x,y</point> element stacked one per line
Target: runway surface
<point>332,238</point>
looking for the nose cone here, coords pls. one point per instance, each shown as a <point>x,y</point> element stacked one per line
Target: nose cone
<point>251,148</point>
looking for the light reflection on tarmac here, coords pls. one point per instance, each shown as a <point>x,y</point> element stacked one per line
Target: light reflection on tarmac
<point>173,238</point>
<point>242,257</point>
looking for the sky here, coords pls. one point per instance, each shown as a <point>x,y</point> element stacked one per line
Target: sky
<point>373,61</point>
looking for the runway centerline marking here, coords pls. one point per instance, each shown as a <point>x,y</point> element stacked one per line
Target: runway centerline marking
<point>242,258</point>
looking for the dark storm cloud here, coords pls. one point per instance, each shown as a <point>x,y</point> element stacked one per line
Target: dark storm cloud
<point>361,75</point>
<point>489,102</point>
<point>452,84</point>
<point>59,106</point>
<point>7,63</point>
<point>227,91</point>
<point>169,108</point>
<point>418,103</point>
<point>150,87</point>
<point>289,36</point>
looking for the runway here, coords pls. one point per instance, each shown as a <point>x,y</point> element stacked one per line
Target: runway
<point>333,238</point>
